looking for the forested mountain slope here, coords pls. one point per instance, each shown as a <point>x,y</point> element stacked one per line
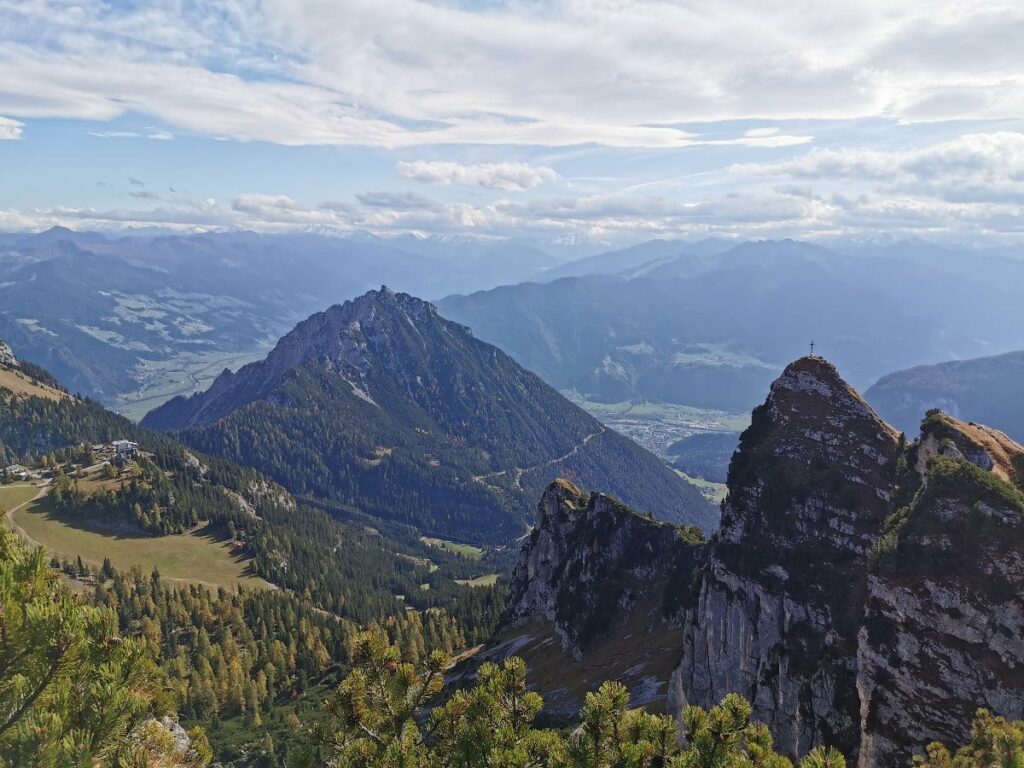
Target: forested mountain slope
<point>382,404</point>
<point>312,583</point>
<point>985,389</point>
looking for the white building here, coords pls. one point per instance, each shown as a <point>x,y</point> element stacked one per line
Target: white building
<point>125,447</point>
<point>17,471</point>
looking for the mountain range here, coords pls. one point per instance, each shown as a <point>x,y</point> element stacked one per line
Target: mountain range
<point>382,405</point>
<point>112,316</point>
<point>712,330</point>
<point>134,320</point>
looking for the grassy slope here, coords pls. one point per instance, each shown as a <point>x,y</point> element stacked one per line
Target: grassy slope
<point>466,550</point>
<point>22,385</point>
<point>13,495</point>
<point>177,557</point>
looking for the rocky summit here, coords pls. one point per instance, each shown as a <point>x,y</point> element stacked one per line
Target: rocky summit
<point>781,602</point>
<point>862,591</point>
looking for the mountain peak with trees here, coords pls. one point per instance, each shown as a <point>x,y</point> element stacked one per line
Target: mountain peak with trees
<point>382,405</point>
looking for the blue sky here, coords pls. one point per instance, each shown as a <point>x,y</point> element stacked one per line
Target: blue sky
<point>603,119</point>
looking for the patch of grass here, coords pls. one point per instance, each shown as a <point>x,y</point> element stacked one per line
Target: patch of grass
<point>13,495</point>
<point>956,478</point>
<point>20,384</point>
<point>97,481</point>
<point>192,557</point>
<point>487,580</point>
<point>466,550</point>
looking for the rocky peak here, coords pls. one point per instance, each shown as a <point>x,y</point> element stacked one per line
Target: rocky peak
<point>348,339</point>
<point>7,357</point>
<point>598,594</point>
<point>781,599</point>
<point>813,427</point>
<point>986,448</point>
<point>343,333</point>
<point>590,559</point>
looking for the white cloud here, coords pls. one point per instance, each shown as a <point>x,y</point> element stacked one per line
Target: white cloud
<point>974,167</point>
<point>407,72</point>
<point>760,212</point>
<point>149,134</point>
<point>10,129</point>
<point>509,177</point>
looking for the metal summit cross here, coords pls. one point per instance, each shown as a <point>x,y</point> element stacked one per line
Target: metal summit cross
<point>812,349</point>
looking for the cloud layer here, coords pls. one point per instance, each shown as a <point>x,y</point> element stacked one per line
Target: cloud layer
<point>408,72</point>
<point>610,119</point>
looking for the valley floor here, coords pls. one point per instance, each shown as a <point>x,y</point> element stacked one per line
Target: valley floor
<point>161,380</point>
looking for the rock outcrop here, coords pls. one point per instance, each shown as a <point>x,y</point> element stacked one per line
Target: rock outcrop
<point>7,358</point>
<point>598,593</point>
<point>781,601</point>
<point>943,632</point>
<point>861,592</point>
<point>591,560</point>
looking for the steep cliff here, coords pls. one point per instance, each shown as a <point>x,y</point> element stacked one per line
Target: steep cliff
<point>781,600</point>
<point>861,592</point>
<point>944,625</point>
<point>597,594</point>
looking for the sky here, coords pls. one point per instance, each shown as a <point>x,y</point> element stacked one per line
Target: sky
<point>575,120</point>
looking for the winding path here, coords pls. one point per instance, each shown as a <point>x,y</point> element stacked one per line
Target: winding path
<point>519,471</point>
<point>9,516</point>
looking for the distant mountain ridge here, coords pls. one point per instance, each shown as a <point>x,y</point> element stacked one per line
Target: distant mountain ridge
<point>988,390</point>
<point>713,331</point>
<point>104,312</point>
<point>382,404</point>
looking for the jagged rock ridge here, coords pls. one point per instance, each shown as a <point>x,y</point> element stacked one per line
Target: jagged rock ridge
<point>861,591</point>
<point>596,595</point>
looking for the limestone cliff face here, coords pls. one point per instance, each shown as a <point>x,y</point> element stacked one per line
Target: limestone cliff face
<point>597,595</point>
<point>944,625</point>
<point>861,592</point>
<point>781,601</point>
<point>590,561</point>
